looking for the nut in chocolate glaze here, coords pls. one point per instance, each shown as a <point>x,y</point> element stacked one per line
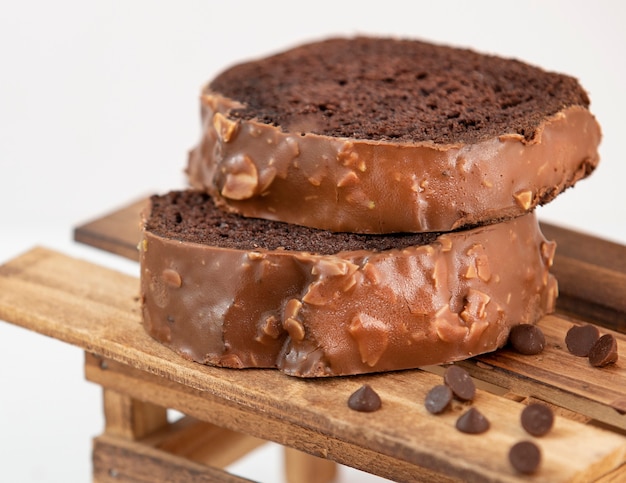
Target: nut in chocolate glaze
<point>225,128</point>
<point>241,178</point>
<point>524,199</point>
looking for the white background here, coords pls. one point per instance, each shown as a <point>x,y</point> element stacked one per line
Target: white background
<point>99,105</point>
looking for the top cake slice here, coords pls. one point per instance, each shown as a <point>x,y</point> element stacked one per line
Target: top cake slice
<point>381,135</point>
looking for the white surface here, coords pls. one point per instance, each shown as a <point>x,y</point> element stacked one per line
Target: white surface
<point>99,105</point>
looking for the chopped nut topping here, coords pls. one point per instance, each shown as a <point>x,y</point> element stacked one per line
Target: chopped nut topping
<point>266,178</point>
<point>295,329</point>
<point>172,278</point>
<point>272,327</point>
<point>438,270</point>
<point>241,179</point>
<point>476,305</point>
<point>447,325</point>
<point>446,243</point>
<point>481,262</point>
<point>350,178</point>
<point>524,199</point>
<point>315,296</point>
<point>547,252</point>
<point>292,308</point>
<point>371,336</point>
<point>332,267</point>
<point>226,129</point>
<point>347,156</point>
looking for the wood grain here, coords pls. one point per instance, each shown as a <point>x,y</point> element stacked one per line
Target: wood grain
<point>116,232</point>
<point>118,460</point>
<point>203,442</point>
<point>131,418</point>
<point>97,309</point>
<point>592,276</point>
<point>558,377</point>
<point>302,468</point>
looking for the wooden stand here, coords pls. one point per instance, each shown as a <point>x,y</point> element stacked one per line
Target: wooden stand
<point>140,444</point>
<point>227,413</point>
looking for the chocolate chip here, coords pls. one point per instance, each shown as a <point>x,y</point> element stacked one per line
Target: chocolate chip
<point>525,457</point>
<point>472,421</point>
<point>364,399</point>
<point>527,339</point>
<point>537,419</point>
<point>580,338</point>
<point>460,382</point>
<point>604,351</point>
<point>438,399</point>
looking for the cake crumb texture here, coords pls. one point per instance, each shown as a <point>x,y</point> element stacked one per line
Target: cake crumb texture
<point>397,90</point>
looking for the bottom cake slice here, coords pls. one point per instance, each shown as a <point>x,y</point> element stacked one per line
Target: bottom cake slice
<point>230,291</point>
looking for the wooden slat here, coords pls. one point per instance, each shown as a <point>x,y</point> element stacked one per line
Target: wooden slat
<point>592,276</point>
<point>119,460</point>
<point>203,442</point>
<point>97,309</point>
<point>264,424</point>
<point>616,476</point>
<point>117,232</point>
<point>587,248</point>
<point>558,377</point>
<point>504,417</point>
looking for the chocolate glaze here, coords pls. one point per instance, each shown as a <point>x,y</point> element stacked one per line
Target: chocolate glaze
<point>351,312</point>
<point>342,184</point>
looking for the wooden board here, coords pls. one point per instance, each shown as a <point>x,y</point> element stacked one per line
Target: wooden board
<point>97,309</point>
<point>116,232</point>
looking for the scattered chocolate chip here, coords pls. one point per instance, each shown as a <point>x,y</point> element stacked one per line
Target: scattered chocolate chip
<point>460,382</point>
<point>438,399</point>
<point>472,421</point>
<point>525,457</point>
<point>364,399</point>
<point>604,351</point>
<point>537,419</point>
<point>580,338</point>
<point>527,339</point>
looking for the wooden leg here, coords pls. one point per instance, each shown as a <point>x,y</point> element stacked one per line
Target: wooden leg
<point>305,468</point>
<point>129,418</point>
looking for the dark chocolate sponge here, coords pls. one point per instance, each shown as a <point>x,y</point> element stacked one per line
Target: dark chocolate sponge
<point>191,216</point>
<point>397,90</point>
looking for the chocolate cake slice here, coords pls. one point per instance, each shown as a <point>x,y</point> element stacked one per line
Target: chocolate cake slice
<point>230,291</point>
<point>382,135</point>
